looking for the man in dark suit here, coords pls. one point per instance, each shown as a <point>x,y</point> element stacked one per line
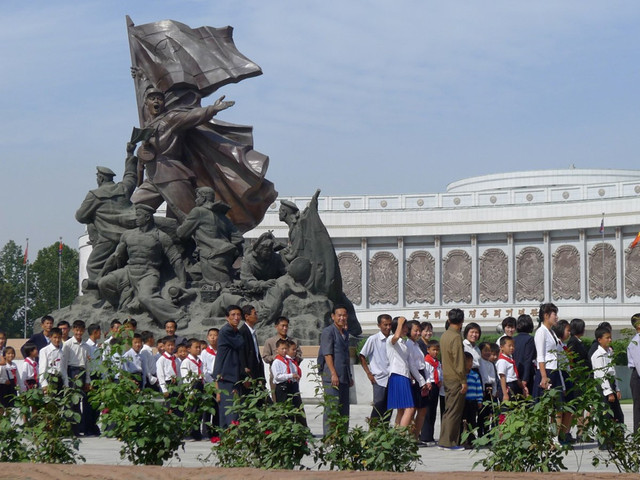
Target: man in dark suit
<point>229,369</point>
<point>333,362</point>
<point>254,367</point>
<point>41,339</point>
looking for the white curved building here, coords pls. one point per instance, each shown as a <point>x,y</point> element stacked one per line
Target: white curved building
<point>493,245</point>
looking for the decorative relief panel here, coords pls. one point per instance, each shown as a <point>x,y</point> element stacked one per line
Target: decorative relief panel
<point>566,273</point>
<point>632,272</point>
<point>602,271</point>
<point>530,275</point>
<point>351,270</point>
<point>456,277</point>
<point>383,278</point>
<point>494,276</point>
<point>420,285</point>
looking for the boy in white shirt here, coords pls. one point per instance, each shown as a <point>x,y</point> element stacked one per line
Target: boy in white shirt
<point>510,383</point>
<point>29,374</point>
<point>191,372</point>
<point>208,357</point>
<point>168,366</point>
<point>134,362</point>
<point>604,370</point>
<point>148,343</point>
<point>52,367</point>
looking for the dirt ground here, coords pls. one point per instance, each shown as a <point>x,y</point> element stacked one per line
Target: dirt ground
<point>25,471</point>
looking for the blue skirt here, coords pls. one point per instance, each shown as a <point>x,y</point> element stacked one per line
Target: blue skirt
<point>399,392</point>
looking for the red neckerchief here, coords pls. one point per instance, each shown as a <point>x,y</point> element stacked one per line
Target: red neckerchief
<point>198,363</point>
<point>14,371</point>
<point>284,360</point>
<point>173,361</point>
<point>293,360</point>
<point>512,362</point>
<point>211,350</point>
<point>434,363</point>
<point>34,365</point>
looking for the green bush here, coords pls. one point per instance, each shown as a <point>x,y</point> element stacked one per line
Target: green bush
<point>265,436</point>
<point>151,427</point>
<point>380,448</point>
<point>38,429</point>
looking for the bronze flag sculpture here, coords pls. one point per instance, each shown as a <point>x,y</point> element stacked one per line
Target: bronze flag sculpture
<point>187,65</point>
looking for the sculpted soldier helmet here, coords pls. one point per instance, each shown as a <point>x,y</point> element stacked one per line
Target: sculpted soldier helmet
<point>289,205</point>
<point>107,172</point>
<point>151,90</point>
<point>145,208</point>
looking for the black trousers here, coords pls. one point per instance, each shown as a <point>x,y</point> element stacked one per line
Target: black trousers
<point>634,383</point>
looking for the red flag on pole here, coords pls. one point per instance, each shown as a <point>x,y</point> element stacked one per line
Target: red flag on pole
<point>635,241</point>
<point>60,248</point>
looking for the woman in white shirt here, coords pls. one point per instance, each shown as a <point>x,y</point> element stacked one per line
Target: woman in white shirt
<point>472,333</point>
<point>399,394</point>
<point>548,351</point>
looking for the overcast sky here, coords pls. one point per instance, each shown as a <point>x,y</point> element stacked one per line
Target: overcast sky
<point>357,97</point>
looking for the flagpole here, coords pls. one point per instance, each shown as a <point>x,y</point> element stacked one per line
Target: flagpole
<point>26,284</point>
<point>603,273</point>
<point>59,270</point>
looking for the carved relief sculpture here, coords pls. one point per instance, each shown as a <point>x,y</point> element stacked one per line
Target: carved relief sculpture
<point>351,268</point>
<point>494,276</point>
<point>530,275</point>
<point>602,271</point>
<point>632,272</point>
<point>566,273</point>
<point>456,277</point>
<point>383,280</point>
<point>420,284</point>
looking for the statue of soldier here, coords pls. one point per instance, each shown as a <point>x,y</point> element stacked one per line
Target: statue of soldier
<point>168,178</point>
<point>142,251</point>
<point>107,212</point>
<point>218,241</point>
<point>262,265</point>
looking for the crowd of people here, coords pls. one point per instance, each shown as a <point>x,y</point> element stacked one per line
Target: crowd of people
<point>63,355</point>
<point>471,381</point>
<point>411,373</point>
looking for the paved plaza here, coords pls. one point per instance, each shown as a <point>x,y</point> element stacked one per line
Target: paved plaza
<point>105,451</point>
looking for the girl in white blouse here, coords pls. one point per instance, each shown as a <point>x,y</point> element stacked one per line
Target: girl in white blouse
<point>399,394</point>
<point>548,350</point>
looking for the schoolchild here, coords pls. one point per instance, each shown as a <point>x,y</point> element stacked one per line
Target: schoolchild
<point>473,398</point>
<point>436,392</point>
<point>168,366</point>
<point>9,378</point>
<point>133,361</point>
<point>52,366</point>
<point>604,371</point>
<point>29,374</point>
<point>191,371</point>
<point>510,382</point>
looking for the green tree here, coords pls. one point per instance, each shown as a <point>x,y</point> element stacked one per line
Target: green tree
<point>12,272</point>
<point>44,273</point>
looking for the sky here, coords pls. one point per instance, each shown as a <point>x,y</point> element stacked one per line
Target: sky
<point>357,97</point>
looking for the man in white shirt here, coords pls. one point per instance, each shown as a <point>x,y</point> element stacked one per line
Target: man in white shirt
<point>375,364</point>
